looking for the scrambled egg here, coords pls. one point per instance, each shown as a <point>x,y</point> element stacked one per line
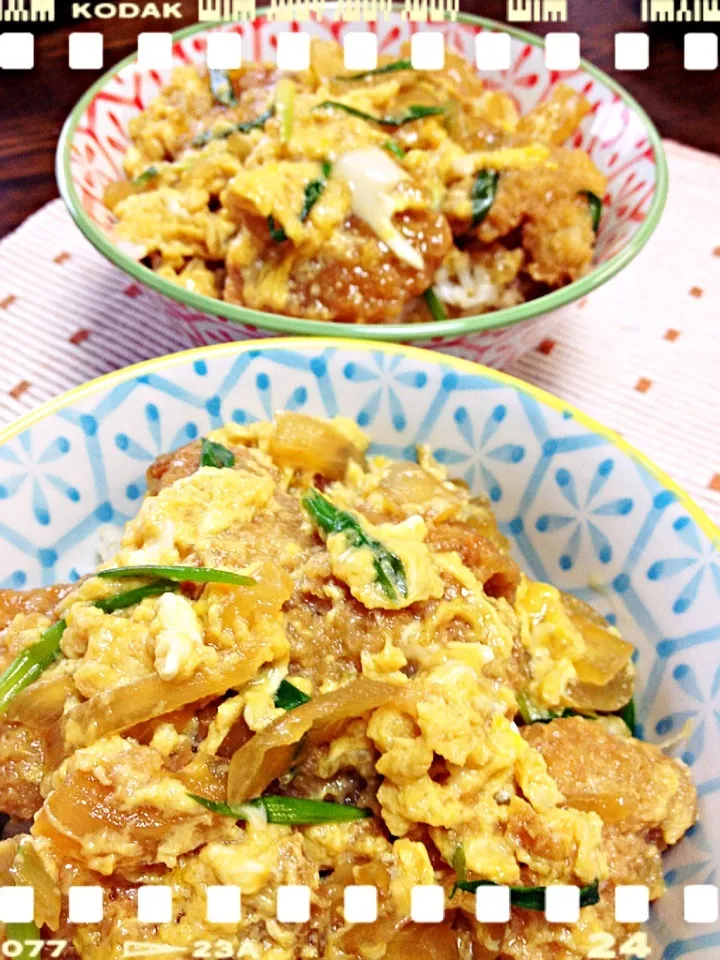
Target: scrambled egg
<point>416,658</point>
<point>333,196</point>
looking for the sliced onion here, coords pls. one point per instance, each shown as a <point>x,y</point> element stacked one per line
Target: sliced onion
<point>8,852</point>
<point>586,697</point>
<point>610,807</point>
<point>606,654</point>
<point>271,752</point>
<point>312,445</point>
<point>410,483</point>
<point>29,871</point>
<point>114,711</point>
<point>41,706</point>
<point>83,818</point>
<point>436,942</point>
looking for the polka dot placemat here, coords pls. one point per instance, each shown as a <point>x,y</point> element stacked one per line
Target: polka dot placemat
<point>640,354</point>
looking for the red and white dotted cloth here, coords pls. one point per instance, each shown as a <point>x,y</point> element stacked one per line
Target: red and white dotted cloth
<point>641,354</point>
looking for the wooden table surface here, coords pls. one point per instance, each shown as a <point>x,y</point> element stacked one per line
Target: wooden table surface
<point>685,105</point>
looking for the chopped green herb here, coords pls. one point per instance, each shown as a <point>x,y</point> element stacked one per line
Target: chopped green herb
<point>288,696</point>
<point>28,935</point>
<point>414,112</point>
<point>245,127</point>
<point>130,597</point>
<point>595,204</point>
<point>215,455</point>
<point>532,898</point>
<point>179,574</point>
<point>222,88</point>
<point>532,713</point>
<point>30,663</point>
<point>389,569</point>
<point>433,304</point>
<point>395,149</point>
<point>459,865</point>
<point>378,71</point>
<point>277,233</point>
<point>287,810</point>
<point>482,195</point>
<point>34,660</point>
<point>628,716</point>
<point>285,107</point>
<point>313,192</point>
<point>146,176</point>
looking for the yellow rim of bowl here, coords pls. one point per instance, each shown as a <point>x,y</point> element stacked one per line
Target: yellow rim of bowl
<point>419,354</point>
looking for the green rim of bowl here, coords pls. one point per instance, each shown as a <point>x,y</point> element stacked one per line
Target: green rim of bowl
<point>279,323</point>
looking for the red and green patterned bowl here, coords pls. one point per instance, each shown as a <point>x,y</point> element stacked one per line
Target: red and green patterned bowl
<point>618,135</point>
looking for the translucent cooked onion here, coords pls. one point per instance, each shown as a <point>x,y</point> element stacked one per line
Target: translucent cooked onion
<point>610,807</point>
<point>206,776</point>
<point>83,818</point>
<point>408,483</point>
<point>28,871</point>
<point>312,445</point>
<point>366,940</point>
<point>588,697</point>
<point>606,654</point>
<point>41,706</point>
<point>431,942</point>
<point>271,753</point>
<point>115,711</point>
<point>8,852</point>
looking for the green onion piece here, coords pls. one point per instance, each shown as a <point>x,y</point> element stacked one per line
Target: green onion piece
<point>287,810</point>
<point>378,71</point>
<point>34,660</point>
<point>215,455</point>
<point>459,865</point>
<point>628,716</point>
<point>30,663</point>
<point>532,898</point>
<point>285,107</point>
<point>433,304</point>
<point>130,597</point>
<point>482,195</point>
<point>222,88</point>
<point>313,192</point>
<point>277,233</point>
<point>532,713</point>
<point>179,574</point>
<point>28,935</point>
<point>389,569</point>
<point>595,204</point>
<point>414,112</point>
<point>395,149</point>
<point>288,696</point>
<point>245,127</point>
<point>146,176</point>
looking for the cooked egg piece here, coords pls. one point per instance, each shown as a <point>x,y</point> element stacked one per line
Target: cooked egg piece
<point>509,158</point>
<point>178,638</point>
<point>371,174</point>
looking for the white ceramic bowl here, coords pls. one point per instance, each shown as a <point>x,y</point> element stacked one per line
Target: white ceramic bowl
<point>583,509</point>
<point>618,135</point>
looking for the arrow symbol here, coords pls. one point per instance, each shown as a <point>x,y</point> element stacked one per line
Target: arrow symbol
<point>135,948</point>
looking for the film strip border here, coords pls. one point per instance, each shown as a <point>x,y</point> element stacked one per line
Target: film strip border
<point>562,51</point>
<point>493,904</point>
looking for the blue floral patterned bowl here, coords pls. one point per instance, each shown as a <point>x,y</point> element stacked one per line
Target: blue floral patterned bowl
<point>583,509</point>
